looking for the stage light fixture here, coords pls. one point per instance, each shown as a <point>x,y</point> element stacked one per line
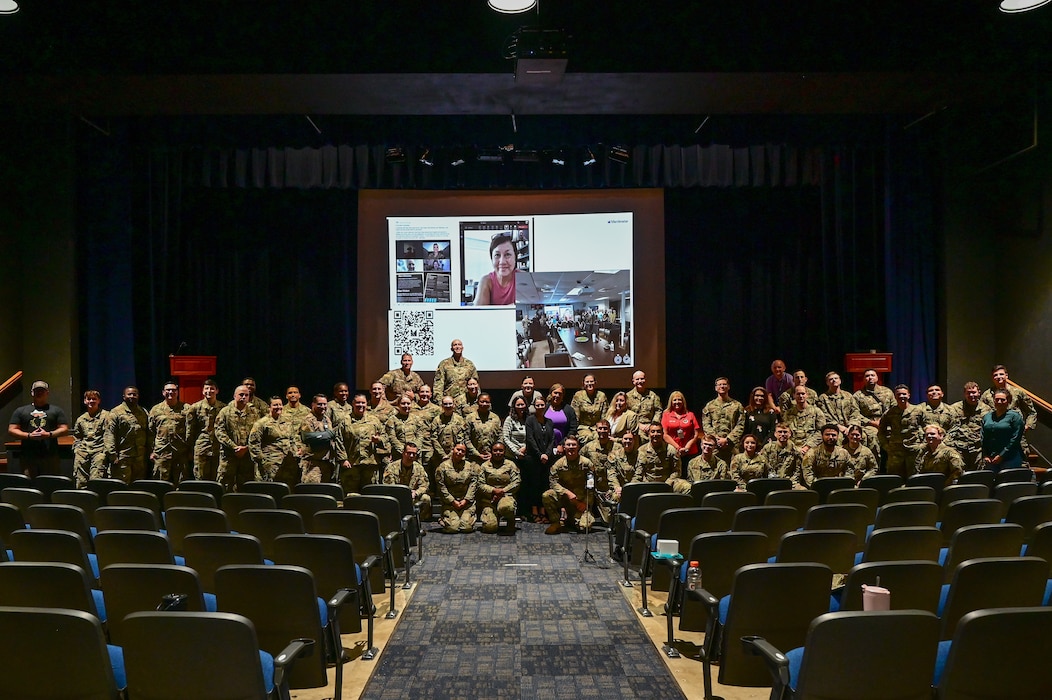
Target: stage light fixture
<point>1022,5</point>
<point>8,7</point>
<point>511,7</point>
<point>426,158</point>
<point>458,162</point>
<point>490,155</point>
<point>618,154</point>
<point>590,160</point>
<point>395,154</point>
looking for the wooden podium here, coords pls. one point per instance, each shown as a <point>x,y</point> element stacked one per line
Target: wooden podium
<point>191,371</point>
<point>856,364</point>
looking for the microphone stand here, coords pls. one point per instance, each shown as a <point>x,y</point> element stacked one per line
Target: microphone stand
<point>589,495</point>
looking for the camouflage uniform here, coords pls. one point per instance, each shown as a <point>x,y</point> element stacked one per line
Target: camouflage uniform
<point>451,377</point>
<point>171,450</point>
<point>563,478</point>
<point>723,419</point>
<point>128,442</point>
<point>400,430</point>
<point>339,411</point>
<point>819,464</point>
<point>806,426</point>
<point>421,420</point>
<point>89,448</point>
<point>945,415</point>
<point>274,446</point>
<point>445,434</point>
<point>967,436</point>
<point>863,463</point>
<point>787,400</point>
<point>262,407</point>
<point>457,482</point>
<point>366,457</point>
<point>504,476</point>
<point>944,460</point>
<point>745,468</point>
<point>231,429</point>
<point>840,408</point>
<point>321,459</point>
<point>200,432</point>
<point>416,479</point>
<point>872,405</point>
<point>589,410</point>
<point>1021,402</point>
<point>784,462</point>
<point>482,433</point>
<point>382,410</point>
<point>647,408</point>
<point>662,464</point>
<point>701,469</point>
<point>397,383</point>
<point>605,461</point>
<point>898,436</point>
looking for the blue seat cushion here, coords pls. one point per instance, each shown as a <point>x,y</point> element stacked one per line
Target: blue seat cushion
<point>117,663</point>
<point>93,562</point>
<point>1048,592</point>
<point>100,603</point>
<point>834,602</point>
<point>210,602</point>
<point>858,557</point>
<point>796,660</point>
<point>725,605</point>
<point>268,670</point>
<point>323,611</point>
<point>358,574</point>
<point>944,595</point>
<point>940,661</point>
<point>869,531</point>
<point>179,561</point>
<point>944,554</point>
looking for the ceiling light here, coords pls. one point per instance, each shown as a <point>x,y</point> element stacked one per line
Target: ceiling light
<point>8,7</point>
<point>395,154</point>
<point>511,7</point>
<point>426,157</point>
<point>591,158</point>
<point>1019,5</point>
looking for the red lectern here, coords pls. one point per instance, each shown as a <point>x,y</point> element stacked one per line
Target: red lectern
<point>191,371</point>
<point>856,364</point>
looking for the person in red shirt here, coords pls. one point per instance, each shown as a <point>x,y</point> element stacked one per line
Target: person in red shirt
<point>680,426</point>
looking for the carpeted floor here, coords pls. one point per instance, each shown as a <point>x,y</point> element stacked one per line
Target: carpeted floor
<point>521,616</point>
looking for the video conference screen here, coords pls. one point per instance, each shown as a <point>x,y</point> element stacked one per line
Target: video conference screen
<point>532,283</point>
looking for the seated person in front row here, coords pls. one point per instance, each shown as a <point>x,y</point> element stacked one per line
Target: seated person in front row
<point>828,459</point>
<point>407,471</point>
<point>748,465</point>
<point>783,457</point>
<point>567,481</point>
<point>498,482</point>
<point>457,486</point>
<point>708,465</point>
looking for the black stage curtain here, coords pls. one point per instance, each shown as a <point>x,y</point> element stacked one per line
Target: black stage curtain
<point>251,255</point>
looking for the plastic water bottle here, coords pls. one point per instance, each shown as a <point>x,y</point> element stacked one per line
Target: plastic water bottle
<point>693,576</point>
<point>589,481</point>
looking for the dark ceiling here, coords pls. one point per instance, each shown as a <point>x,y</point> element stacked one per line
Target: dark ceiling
<point>652,57</point>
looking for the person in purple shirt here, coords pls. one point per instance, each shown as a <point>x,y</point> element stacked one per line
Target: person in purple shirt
<point>777,383</point>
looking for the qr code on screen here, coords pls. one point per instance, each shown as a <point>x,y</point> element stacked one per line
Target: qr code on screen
<point>414,332</point>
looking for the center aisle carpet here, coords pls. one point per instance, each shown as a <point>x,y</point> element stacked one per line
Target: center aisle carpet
<point>496,616</point>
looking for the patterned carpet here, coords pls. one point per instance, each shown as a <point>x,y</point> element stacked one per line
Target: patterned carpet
<point>497,616</point>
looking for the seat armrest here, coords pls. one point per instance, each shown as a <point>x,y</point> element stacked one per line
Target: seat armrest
<point>369,563</point>
<point>711,602</point>
<point>777,662</point>
<point>283,661</point>
<point>392,536</point>
<point>407,520</point>
<point>624,518</point>
<point>641,534</point>
<point>340,599</point>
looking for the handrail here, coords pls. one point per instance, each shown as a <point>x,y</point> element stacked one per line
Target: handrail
<point>1033,397</point>
<point>15,378</point>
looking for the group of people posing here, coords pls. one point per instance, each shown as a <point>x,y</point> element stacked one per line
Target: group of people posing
<point>559,459</point>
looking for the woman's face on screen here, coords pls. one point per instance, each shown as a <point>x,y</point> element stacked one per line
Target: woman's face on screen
<point>503,259</point>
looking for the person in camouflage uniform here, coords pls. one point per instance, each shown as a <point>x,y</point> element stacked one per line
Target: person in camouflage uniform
<point>1019,401</point>
<point>937,457</point>
<point>364,445</point>
<point>260,405</point>
<point>200,431</point>
<point>322,444</point>
<point>788,398</point>
<point>340,407</point>
<point>400,428</point>
<point>838,406</point>
<point>457,486</point>
<point>827,460</point>
<point>626,466</point>
<point>379,406</point>
<point>644,403</point>
<point>898,433</point>
<point>89,446</point>
<point>453,373</point>
<point>294,412</point>
<point>171,451</point>
<point>233,424</point>
<point>863,461</point>
<point>659,462</point>
<point>873,401</point>
<point>605,454</point>
<point>484,429</point>
<point>423,412</point>
<point>447,430</point>
<point>784,459</point>
<point>273,443</point>
<point>967,435</point>
<point>407,471</point>
<point>398,381</point>
<point>805,422</point>
<point>128,439</point>
<point>590,405</point>
<point>567,480</point>
<point>722,419</point>
<point>748,465</point>
<point>707,465</point>
<point>935,410</point>
<point>468,402</point>
<point>498,482</point>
